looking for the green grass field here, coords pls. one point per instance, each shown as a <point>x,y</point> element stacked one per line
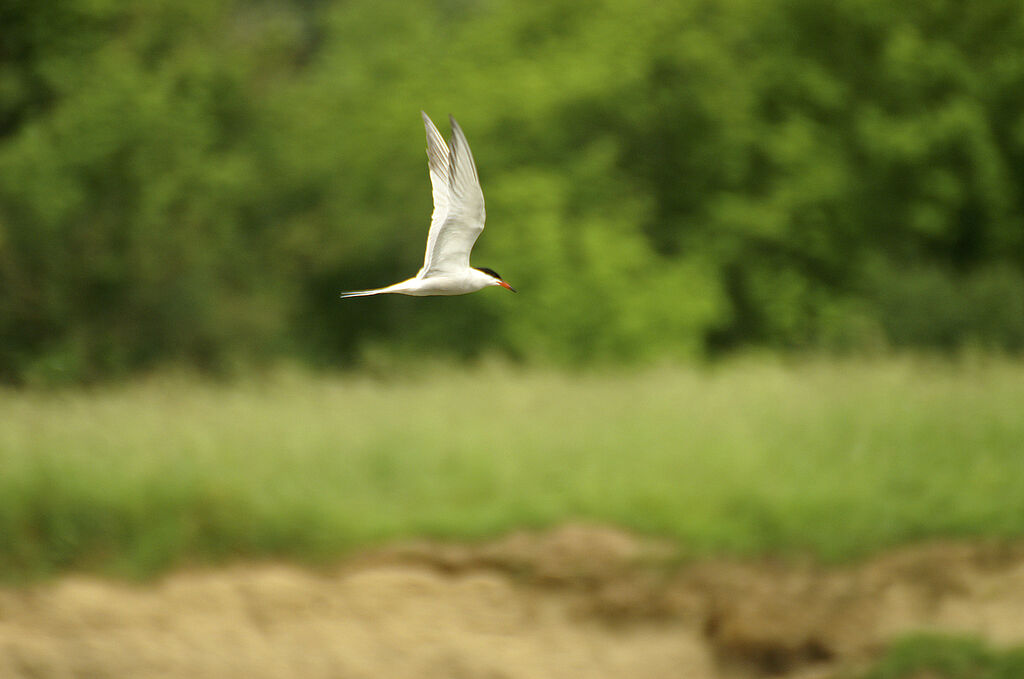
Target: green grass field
<point>835,459</point>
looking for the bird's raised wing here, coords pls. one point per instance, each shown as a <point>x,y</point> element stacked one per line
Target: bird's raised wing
<point>438,158</point>
<point>459,215</point>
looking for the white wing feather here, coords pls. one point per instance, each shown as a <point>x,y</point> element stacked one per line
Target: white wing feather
<point>459,214</point>
<point>438,159</point>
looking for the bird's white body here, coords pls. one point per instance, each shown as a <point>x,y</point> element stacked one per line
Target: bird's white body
<point>461,283</point>
<point>456,223</point>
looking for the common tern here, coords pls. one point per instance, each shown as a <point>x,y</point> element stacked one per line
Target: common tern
<point>456,223</point>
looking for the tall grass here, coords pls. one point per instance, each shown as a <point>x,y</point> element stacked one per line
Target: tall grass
<point>832,458</point>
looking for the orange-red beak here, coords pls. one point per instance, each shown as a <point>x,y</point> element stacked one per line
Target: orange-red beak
<point>506,286</point>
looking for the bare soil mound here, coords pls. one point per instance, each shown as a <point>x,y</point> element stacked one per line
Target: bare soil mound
<point>578,601</point>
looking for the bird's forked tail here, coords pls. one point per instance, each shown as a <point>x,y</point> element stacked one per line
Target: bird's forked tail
<point>361,293</point>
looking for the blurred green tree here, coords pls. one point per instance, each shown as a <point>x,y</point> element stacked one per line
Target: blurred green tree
<point>194,181</point>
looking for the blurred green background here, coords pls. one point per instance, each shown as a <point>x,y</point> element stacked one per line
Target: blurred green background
<point>192,182</point>
<point>784,239</point>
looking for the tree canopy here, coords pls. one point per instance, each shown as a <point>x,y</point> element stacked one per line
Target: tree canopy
<point>196,180</point>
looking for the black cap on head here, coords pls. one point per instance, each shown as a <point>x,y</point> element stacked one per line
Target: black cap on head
<point>489,272</point>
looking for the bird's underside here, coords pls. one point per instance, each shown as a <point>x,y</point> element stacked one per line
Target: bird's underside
<point>423,287</point>
<point>455,224</point>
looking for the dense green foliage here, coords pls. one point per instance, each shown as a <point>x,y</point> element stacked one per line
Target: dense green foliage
<point>195,180</point>
<point>833,459</point>
<point>939,657</point>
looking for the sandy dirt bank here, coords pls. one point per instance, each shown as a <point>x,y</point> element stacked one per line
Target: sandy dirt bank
<point>579,601</point>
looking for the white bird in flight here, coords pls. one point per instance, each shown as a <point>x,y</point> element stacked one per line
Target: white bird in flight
<point>455,225</point>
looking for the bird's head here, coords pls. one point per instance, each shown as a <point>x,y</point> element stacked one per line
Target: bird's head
<point>495,279</point>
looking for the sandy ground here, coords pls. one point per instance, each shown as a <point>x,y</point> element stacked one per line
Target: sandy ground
<point>580,601</point>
